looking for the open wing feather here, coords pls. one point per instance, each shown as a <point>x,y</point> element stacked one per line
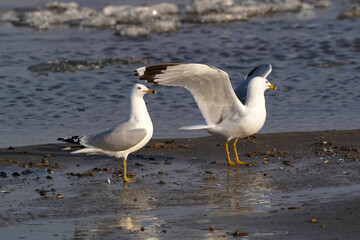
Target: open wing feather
<point>210,86</point>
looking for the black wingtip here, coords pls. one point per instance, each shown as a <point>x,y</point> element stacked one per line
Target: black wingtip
<point>73,139</point>
<point>153,70</point>
<point>261,68</point>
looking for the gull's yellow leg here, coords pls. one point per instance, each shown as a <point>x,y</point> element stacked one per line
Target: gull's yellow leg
<point>227,154</point>
<point>126,179</point>
<point>237,160</point>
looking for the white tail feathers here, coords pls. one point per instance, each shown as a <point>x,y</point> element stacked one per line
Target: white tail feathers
<point>86,151</point>
<point>196,127</point>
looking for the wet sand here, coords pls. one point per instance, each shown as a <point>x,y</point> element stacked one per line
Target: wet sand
<point>296,186</point>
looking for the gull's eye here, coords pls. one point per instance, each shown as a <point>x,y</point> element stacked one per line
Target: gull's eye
<point>139,88</point>
<point>266,81</point>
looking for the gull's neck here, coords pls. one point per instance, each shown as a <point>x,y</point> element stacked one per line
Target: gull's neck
<point>255,99</point>
<point>138,110</point>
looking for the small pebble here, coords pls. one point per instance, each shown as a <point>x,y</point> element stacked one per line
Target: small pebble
<point>313,220</point>
<point>131,175</point>
<point>26,172</point>
<point>240,233</point>
<point>161,182</point>
<point>251,164</point>
<point>287,162</point>
<point>293,208</point>
<point>253,154</point>
<point>212,228</point>
<point>59,196</point>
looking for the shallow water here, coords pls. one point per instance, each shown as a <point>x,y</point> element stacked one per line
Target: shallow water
<point>315,60</point>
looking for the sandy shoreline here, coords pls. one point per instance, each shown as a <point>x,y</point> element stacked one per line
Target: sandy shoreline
<point>184,190</point>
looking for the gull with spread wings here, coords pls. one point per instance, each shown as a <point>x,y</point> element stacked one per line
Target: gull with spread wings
<point>230,113</point>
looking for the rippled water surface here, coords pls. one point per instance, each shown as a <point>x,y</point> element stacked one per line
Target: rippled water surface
<point>315,60</point>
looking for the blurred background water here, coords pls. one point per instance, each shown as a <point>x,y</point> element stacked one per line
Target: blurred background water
<point>315,58</point>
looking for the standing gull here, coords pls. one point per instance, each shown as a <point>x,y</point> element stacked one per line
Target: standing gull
<point>124,139</point>
<point>224,112</point>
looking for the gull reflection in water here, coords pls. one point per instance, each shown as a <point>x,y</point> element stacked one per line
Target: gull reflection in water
<point>251,191</point>
<point>138,223</point>
<point>132,218</point>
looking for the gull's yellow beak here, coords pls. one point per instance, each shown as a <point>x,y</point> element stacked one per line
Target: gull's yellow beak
<point>151,91</point>
<point>272,86</point>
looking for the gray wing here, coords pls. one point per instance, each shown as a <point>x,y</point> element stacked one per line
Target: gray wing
<point>120,138</point>
<point>210,86</point>
<point>241,89</point>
